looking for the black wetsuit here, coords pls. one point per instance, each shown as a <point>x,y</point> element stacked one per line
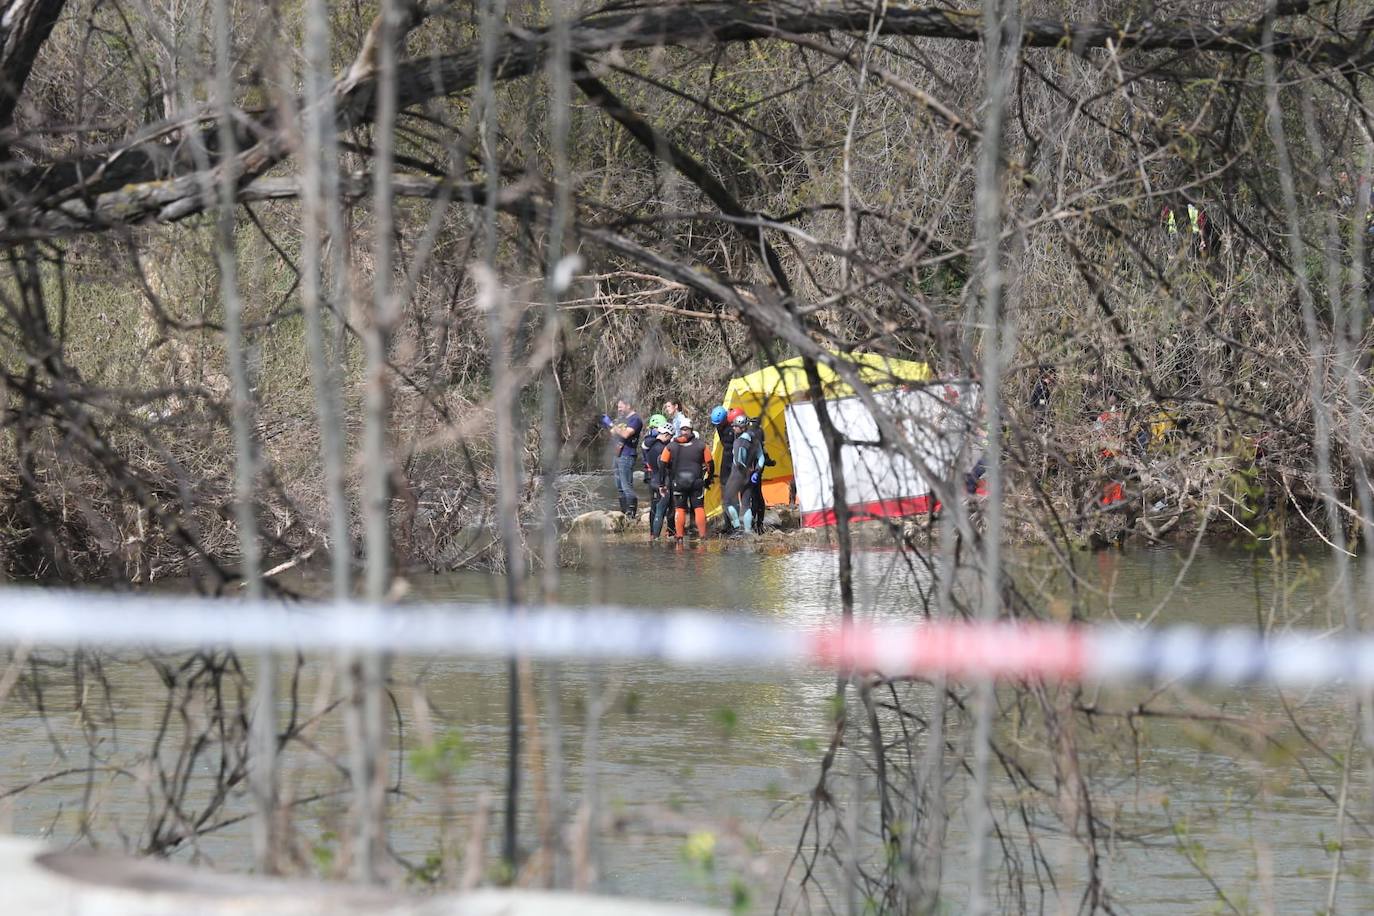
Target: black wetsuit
<point>726,456</point>
<point>689,464</point>
<point>755,492</point>
<point>741,461</point>
<point>656,474</point>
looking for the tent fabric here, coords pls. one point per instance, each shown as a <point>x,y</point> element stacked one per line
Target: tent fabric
<point>880,482</point>
<point>767,393</point>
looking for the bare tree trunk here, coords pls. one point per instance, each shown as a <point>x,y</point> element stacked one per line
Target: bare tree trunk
<point>997,16</point>
<point>558,271</point>
<point>320,213</point>
<point>369,770</point>
<point>504,400</point>
<point>262,755</point>
<point>24,27</point>
<point>1354,331</point>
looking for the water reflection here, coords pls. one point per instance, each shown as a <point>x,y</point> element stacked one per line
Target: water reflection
<point>738,749</point>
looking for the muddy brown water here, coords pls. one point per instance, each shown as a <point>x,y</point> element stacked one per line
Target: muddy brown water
<point>734,753</point>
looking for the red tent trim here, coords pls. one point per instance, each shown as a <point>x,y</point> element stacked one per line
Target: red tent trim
<point>882,508</point>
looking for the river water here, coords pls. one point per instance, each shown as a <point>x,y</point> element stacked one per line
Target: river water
<point>1212,817</point>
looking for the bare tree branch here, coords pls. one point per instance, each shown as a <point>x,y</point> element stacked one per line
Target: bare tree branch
<point>140,180</point>
<point>24,27</point>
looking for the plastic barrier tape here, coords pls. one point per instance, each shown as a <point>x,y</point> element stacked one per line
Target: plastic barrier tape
<point>690,637</point>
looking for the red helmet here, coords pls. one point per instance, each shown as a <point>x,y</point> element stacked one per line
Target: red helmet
<point>734,413</point>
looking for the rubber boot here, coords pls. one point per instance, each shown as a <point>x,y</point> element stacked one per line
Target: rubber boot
<point>623,507</point>
<point>732,518</point>
<point>748,520</point>
<point>680,517</point>
<point>634,509</point>
<point>701,521</point>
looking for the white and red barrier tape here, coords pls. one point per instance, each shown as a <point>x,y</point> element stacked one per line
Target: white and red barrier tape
<point>957,650</point>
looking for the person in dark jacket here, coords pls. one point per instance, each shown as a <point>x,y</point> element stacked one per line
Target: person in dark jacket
<point>625,430</point>
<point>1043,391</point>
<point>688,458</point>
<point>656,473</point>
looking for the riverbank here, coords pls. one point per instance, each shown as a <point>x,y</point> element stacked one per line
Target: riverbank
<point>443,525</point>
<point>1116,527</point>
<point>41,880</point>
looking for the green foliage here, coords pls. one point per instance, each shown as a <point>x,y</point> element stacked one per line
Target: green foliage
<point>946,281</point>
<point>442,760</point>
<point>699,849</point>
<point>726,721</point>
<point>500,873</point>
<point>324,852</point>
<point>740,897</point>
<point>1250,495</point>
<point>834,707</point>
<point>429,872</point>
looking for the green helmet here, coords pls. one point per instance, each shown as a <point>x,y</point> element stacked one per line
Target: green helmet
<point>658,421</point>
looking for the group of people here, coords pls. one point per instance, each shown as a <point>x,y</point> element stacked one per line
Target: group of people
<point>679,468</point>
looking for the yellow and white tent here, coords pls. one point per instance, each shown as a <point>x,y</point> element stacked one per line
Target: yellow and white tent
<point>767,393</point>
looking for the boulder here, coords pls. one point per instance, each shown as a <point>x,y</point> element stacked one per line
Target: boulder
<point>788,517</point>
<point>599,522</point>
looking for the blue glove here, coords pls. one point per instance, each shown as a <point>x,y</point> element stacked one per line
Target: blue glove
<point>755,477</point>
<point>605,421</point>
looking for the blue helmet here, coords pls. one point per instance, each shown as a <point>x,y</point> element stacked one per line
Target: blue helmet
<point>717,415</point>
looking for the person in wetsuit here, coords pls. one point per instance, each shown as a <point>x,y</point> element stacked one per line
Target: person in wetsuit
<point>688,458</point>
<point>656,473</point>
<point>720,419</point>
<point>754,492</point>
<point>740,461</point>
